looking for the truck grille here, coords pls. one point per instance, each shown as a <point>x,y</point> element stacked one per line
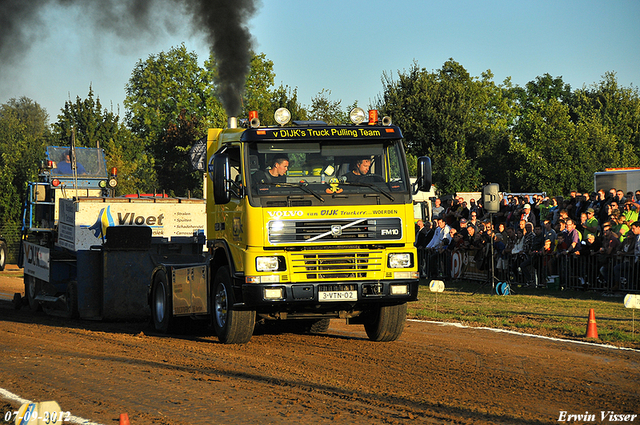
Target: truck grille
<point>336,265</point>
<point>369,229</point>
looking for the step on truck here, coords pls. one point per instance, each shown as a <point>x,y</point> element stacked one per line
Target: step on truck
<point>332,237</point>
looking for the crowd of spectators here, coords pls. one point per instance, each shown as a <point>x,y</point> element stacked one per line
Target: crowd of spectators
<point>593,237</point>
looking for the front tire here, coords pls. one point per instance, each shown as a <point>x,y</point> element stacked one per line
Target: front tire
<point>386,323</point>
<point>32,287</point>
<point>232,326</point>
<point>320,326</point>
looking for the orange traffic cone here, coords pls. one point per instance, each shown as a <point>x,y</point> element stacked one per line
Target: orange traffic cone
<point>592,329</point>
<point>124,419</point>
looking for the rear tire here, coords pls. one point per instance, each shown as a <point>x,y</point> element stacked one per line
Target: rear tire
<point>232,326</point>
<point>71,300</point>
<point>3,255</point>
<point>32,287</point>
<point>386,323</point>
<point>161,303</point>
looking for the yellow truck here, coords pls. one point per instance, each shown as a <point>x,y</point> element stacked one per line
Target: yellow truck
<point>306,222</point>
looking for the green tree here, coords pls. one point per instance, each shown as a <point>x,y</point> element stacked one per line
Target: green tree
<point>286,97</point>
<point>544,150</point>
<point>162,86</point>
<point>94,126</point>
<point>327,110</point>
<point>617,109</point>
<point>258,88</point>
<point>175,174</point>
<point>437,113</point>
<point>23,136</point>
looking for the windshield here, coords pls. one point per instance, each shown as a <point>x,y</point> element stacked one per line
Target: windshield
<point>90,162</point>
<point>317,171</point>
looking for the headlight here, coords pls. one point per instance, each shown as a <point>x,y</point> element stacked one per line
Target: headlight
<point>273,293</point>
<point>398,289</point>
<point>400,261</point>
<point>282,116</point>
<point>266,264</point>
<point>357,115</point>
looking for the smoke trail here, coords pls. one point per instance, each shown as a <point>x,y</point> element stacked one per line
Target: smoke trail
<point>224,23</point>
<point>229,36</point>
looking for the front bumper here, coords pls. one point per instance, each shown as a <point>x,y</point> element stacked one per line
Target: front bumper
<point>306,296</point>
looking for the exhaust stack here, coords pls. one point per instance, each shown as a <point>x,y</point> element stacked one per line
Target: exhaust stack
<point>233,122</point>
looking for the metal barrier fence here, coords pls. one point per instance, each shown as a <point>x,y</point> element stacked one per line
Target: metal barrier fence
<point>598,272</point>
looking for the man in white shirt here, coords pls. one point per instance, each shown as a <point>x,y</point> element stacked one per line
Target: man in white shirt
<point>437,245</point>
<point>442,233</point>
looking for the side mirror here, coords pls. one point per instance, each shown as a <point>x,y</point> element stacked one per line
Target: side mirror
<point>219,172</point>
<point>423,181</point>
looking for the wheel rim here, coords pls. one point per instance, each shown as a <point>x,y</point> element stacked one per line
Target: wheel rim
<point>160,301</point>
<point>221,306</point>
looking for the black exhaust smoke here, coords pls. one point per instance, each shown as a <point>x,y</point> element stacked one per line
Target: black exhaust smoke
<point>229,36</point>
<point>224,23</point>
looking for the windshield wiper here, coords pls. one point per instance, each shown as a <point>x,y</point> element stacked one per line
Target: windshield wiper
<point>372,186</point>
<point>303,186</point>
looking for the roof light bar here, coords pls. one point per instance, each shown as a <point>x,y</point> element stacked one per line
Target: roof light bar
<point>373,117</point>
<point>357,116</point>
<point>282,116</point>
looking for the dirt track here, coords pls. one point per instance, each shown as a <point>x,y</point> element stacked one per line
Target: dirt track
<point>433,374</point>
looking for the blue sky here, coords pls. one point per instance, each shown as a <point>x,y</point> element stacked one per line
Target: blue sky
<point>346,46</point>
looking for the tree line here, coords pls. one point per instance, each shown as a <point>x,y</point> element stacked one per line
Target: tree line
<point>544,136</point>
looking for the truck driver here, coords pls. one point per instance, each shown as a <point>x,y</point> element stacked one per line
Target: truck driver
<point>275,174</point>
<point>360,172</point>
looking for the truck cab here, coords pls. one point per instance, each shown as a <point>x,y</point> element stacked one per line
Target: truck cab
<point>318,242</point>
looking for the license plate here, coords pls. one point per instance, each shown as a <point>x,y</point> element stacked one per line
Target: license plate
<point>338,296</point>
